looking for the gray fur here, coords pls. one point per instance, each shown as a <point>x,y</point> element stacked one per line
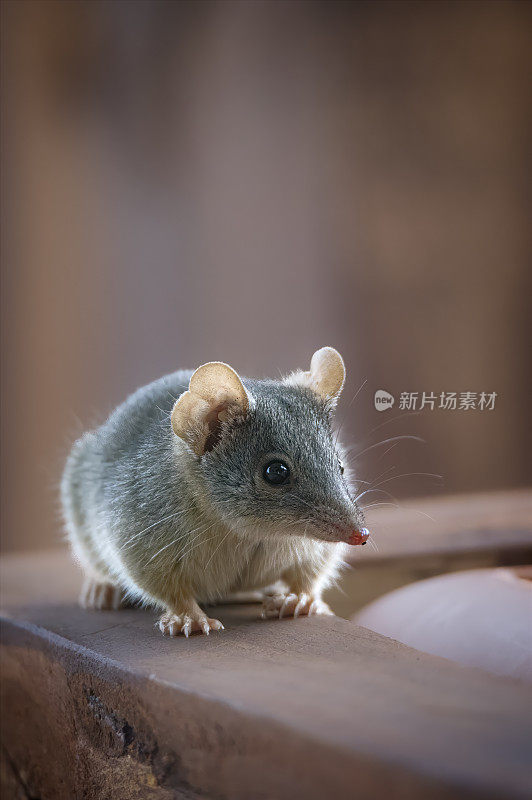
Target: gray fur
<point>145,513</point>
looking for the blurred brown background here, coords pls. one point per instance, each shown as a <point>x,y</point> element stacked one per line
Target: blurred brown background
<point>248,181</point>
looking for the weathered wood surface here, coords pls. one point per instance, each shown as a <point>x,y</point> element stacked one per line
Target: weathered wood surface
<point>424,538</point>
<point>495,522</point>
<point>100,705</point>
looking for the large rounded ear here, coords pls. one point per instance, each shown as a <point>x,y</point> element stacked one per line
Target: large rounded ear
<point>326,376</point>
<point>215,392</point>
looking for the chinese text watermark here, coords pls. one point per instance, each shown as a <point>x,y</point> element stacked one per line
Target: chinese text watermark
<point>430,401</point>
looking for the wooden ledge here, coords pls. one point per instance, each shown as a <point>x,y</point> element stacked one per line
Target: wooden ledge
<point>424,538</point>
<point>498,523</point>
<point>99,704</point>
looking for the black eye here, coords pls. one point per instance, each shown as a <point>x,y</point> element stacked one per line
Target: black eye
<point>342,470</point>
<point>276,473</point>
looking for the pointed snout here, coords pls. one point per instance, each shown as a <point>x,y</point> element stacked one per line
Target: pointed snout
<point>358,536</point>
<point>351,534</point>
<point>345,522</point>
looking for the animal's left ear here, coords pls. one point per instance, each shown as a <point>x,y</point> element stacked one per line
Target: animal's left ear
<point>215,392</point>
<point>326,376</point>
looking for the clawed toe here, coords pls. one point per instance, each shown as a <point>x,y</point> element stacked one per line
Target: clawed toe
<point>102,596</point>
<point>185,624</point>
<point>321,608</point>
<point>293,605</point>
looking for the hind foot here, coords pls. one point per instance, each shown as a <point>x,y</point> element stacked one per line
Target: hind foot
<point>102,595</point>
<point>293,605</point>
<point>191,621</point>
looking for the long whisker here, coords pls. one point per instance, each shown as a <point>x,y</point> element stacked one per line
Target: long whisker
<point>409,475</point>
<point>387,441</point>
<point>368,491</point>
<point>216,550</point>
<point>392,419</point>
<point>381,475</point>
<point>344,415</point>
<point>418,511</point>
<point>380,503</point>
<point>400,507</point>
<point>387,451</point>
<point>153,525</point>
<point>174,541</point>
<point>181,556</point>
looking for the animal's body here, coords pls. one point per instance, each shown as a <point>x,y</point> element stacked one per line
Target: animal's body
<point>201,485</point>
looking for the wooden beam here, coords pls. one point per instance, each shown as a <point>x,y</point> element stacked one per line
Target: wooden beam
<point>494,521</point>
<point>99,704</point>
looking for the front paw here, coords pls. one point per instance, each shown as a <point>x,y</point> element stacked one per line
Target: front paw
<point>293,605</point>
<point>188,622</point>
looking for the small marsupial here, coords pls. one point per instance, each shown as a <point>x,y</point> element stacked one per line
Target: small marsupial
<point>205,484</point>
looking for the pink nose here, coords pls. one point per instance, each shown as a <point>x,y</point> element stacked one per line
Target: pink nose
<point>359,537</point>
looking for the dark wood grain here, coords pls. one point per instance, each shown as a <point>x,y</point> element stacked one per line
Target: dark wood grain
<point>99,704</point>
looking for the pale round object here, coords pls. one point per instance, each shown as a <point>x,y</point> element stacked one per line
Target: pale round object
<point>479,618</point>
